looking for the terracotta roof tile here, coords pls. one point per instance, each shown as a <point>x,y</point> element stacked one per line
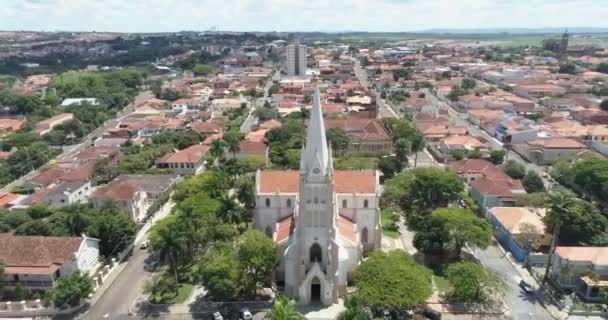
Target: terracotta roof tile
<point>192,154</point>
<point>32,253</point>
<point>284,228</point>
<point>597,255</point>
<point>362,181</point>
<point>347,228</point>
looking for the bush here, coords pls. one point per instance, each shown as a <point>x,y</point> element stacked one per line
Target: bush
<point>15,219</point>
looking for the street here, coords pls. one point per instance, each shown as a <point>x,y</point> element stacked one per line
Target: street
<point>522,305</point>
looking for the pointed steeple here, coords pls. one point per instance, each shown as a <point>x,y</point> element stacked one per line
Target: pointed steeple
<point>316,153</point>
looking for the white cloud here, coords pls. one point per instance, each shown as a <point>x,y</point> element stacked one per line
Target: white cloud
<point>290,15</point>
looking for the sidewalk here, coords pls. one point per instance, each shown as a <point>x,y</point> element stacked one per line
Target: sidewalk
<point>553,310</point>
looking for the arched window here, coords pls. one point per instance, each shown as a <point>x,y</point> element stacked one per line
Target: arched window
<point>267,202</point>
<point>316,253</point>
<point>364,235</point>
<point>365,203</point>
<point>344,203</point>
<point>288,203</point>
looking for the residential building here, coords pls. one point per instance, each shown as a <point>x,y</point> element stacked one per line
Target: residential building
<point>538,90</point>
<point>520,230</point>
<point>10,125</point>
<point>127,196</point>
<point>67,193</point>
<point>516,130</point>
<point>464,144</point>
<point>547,151</point>
<point>367,136</point>
<point>323,220</point>
<point>37,262</point>
<point>184,162</point>
<point>581,269</point>
<point>47,125</point>
<point>252,148</point>
<point>295,59</point>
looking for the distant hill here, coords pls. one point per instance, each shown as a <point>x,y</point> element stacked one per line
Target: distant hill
<point>518,30</point>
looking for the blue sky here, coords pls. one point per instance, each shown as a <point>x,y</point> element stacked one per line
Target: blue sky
<point>303,15</point>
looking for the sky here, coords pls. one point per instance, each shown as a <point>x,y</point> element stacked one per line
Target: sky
<point>303,15</point>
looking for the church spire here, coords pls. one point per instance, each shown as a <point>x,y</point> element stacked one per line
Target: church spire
<point>316,155</point>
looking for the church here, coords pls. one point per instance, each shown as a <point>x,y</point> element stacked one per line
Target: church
<point>322,219</point>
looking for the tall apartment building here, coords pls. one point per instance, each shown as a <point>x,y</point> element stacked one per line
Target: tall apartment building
<point>295,59</point>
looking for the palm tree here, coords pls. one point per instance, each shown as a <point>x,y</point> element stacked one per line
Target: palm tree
<point>217,149</point>
<point>76,219</point>
<point>231,211</point>
<point>562,205</point>
<point>284,309</point>
<point>234,147</point>
<point>354,310</point>
<point>171,246</point>
<point>417,145</point>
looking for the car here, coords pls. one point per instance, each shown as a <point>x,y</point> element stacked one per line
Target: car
<point>246,314</point>
<point>217,316</point>
<point>145,244</point>
<point>386,315</point>
<point>526,287</point>
<point>431,314</point>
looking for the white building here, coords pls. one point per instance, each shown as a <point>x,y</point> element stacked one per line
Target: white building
<point>322,219</point>
<point>67,193</point>
<point>295,59</point>
<point>37,262</point>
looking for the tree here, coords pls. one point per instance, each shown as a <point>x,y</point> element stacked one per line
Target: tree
<point>457,155</point>
<point>475,154</point>
<point>514,169</point>
<point>202,70</point>
<point>497,156</point>
<point>389,166</point>
<point>529,234</point>
<point>602,67</point>
<point>15,219</point>
<point>463,227</point>
<point>569,68</point>
<point>405,74</point>
<point>402,149</point>
<point>392,279</point>
<point>533,183</point>
<point>468,84</point>
<point>473,282</point>
<point>69,290</point>
<point>417,143</point>
<point>338,138</point>
<point>170,243</point>
<point>34,228</point>
<point>551,44</point>
<point>284,309</point>
<point>220,272</point>
<point>435,187</point>
<point>258,258</point>
<point>456,92</point>
<point>115,231</point>
<point>355,310</point>
<point>217,149</point>
<point>604,105</point>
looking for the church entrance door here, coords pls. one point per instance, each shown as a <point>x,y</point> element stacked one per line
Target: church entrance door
<point>315,290</point>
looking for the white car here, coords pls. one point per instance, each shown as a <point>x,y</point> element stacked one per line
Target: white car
<point>217,316</point>
<point>246,314</point>
<point>145,244</point>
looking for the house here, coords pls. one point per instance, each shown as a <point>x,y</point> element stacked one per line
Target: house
<point>10,125</point>
<point>37,262</point>
<point>547,151</point>
<point>67,193</point>
<point>184,162</point>
<point>519,230</point>
<point>206,127</point>
<point>157,187</point>
<point>79,102</point>
<point>538,90</point>
<point>252,148</point>
<point>127,196</point>
<point>516,130</point>
<point>110,142</point>
<point>270,124</point>
<point>583,270</point>
<point>185,105</point>
<point>367,136</point>
<point>47,125</point>
<point>464,144</point>
<point>488,185</point>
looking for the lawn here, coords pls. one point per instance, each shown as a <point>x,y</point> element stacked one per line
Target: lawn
<point>355,163</point>
<point>183,293</point>
<point>389,218</point>
<point>443,284</point>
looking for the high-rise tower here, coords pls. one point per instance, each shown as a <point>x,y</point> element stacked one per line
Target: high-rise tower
<point>295,59</point>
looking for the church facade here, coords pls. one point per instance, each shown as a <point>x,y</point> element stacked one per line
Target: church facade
<point>322,219</point>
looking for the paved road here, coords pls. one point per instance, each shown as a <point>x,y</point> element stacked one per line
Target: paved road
<point>522,306</point>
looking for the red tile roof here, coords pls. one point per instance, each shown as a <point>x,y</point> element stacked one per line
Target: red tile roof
<point>6,198</point>
<point>284,228</point>
<point>257,148</point>
<point>205,127</point>
<point>83,172</point>
<point>36,254</point>
<point>346,228</point>
<point>270,124</point>
<point>557,143</point>
<point>192,154</point>
<point>117,190</point>
<point>363,181</point>
<point>364,129</point>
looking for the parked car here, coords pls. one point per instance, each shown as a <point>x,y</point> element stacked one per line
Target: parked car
<point>145,244</point>
<point>217,316</point>
<point>526,287</point>
<point>246,314</point>
<point>386,315</point>
<point>431,314</point>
